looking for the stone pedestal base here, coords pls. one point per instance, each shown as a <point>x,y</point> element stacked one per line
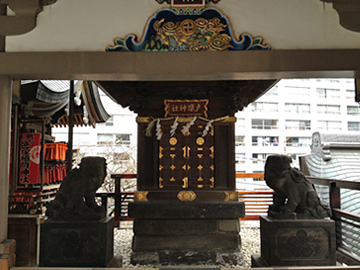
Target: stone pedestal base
<point>77,243</point>
<point>186,233</point>
<point>187,258</point>
<point>305,242</point>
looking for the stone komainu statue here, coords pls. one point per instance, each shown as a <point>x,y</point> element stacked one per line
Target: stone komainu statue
<point>294,196</point>
<point>75,199</point>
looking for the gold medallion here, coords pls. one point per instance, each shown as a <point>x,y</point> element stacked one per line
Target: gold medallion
<point>200,141</point>
<point>188,27</point>
<point>173,141</point>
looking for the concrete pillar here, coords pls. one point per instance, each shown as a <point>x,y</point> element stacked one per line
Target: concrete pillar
<point>5,123</point>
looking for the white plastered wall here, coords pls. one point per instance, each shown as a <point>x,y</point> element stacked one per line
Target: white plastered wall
<point>91,25</point>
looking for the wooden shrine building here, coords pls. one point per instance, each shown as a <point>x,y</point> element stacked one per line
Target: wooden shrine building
<point>185,67</point>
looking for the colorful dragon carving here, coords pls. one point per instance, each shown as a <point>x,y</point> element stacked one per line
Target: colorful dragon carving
<point>167,31</point>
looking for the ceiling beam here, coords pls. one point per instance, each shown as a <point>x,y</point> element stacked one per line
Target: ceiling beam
<point>180,66</point>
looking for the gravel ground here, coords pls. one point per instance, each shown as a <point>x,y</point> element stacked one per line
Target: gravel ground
<point>250,238</point>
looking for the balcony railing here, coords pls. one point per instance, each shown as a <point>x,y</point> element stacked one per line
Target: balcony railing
<point>298,144</point>
<point>264,127</point>
<point>330,128</point>
<point>266,144</point>
<point>298,127</point>
<point>265,110</point>
<point>328,112</point>
<point>353,113</point>
<point>297,111</point>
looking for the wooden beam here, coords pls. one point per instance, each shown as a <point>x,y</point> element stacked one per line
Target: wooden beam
<point>181,66</point>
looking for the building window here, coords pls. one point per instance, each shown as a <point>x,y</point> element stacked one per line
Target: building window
<point>104,138</point>
<point>297,108</point>
<point>258,179</point>
<point>264,107</point>
<point>240,158</point>
<point>122,138</point>
<point>239,140</point>
<point>240,124</point>
<point>297,92</point>
<point>329,125</point>
<point>352,110</point>
<point>265,141</point>
<point>259,158</point>
<point>354,126</point>
<point>298,124</point>
<point>264,124</point>
<point>298,141</point>
<point>350,94</point>
<point>328,109</point>
<point>81,139</point>
<point>332,81</point>
<point>328,93</point>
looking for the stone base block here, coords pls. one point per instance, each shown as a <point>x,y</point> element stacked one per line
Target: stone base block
<point>207,242</point>
<point>187,258</point>
<point>77,243</point>
<point>203,232</point>
<point>305,242</point>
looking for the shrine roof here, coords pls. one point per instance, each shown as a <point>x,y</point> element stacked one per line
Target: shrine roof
<point>243,92</point>
<point>49,99</point>
<point>333,156</point>
<point>336,156</point>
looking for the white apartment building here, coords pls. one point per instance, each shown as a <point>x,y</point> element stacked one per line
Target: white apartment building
<point>280,122</point>
<point>283,120</point>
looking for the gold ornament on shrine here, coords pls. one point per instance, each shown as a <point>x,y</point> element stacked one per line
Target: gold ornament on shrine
<point>186,196</point>
<point>140,196</point>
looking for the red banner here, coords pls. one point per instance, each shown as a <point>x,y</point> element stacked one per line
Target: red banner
<point>30,158</point>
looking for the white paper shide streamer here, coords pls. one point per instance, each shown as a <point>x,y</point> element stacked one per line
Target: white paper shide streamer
<point>207,127</point>
<point>174,127</point>
<point>158,130</point>
<point>186,128</point>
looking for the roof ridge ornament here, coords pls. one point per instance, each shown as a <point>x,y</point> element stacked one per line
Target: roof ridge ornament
<point>24,21</point>
<point>318,146</point>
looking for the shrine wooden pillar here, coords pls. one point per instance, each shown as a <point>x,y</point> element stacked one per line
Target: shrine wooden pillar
<point>5,120</point>
<point>186,209</point>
